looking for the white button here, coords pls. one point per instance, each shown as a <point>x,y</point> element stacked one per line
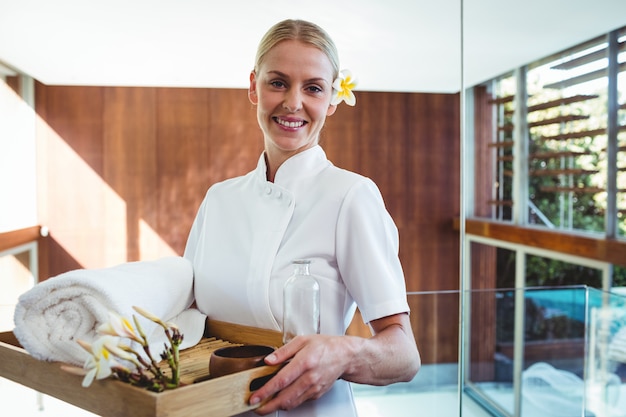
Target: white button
<point>279,194</point>
<point>268,190</point>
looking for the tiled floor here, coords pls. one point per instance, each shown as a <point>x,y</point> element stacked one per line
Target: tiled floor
<point>440,403</point>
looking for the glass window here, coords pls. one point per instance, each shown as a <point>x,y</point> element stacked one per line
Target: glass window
<point>554,115</point>
<point>567,115</point>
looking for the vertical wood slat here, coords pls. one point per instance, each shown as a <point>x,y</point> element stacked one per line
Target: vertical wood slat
<point>69,130</point>
<point>341,135</point>
<point>484,158</point>
<point>183,160</point>
<point>130,165</point>
<point>482,334</point>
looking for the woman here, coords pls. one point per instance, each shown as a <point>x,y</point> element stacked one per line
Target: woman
<point>296,205</point>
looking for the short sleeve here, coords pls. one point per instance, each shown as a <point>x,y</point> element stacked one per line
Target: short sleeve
<point>367,253</point>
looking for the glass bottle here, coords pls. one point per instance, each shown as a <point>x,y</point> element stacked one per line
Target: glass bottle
<point>301,302</point>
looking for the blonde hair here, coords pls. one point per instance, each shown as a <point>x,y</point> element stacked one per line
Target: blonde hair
<point>299,30</point>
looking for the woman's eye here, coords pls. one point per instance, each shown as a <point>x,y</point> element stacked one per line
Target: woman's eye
<point>277,84</point>
<point>314,89</point>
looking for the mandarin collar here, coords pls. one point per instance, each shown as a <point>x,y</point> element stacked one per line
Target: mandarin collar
<point>303,164</point>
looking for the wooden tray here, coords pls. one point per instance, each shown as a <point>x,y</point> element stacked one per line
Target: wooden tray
<point>219,397</point>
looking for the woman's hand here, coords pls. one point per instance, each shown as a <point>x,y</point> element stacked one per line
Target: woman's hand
<point>315,362</point>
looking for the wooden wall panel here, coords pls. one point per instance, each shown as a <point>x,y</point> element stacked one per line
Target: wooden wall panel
<point>432,193</point>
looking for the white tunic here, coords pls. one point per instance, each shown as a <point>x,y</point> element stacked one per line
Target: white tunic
<point>249,230</point>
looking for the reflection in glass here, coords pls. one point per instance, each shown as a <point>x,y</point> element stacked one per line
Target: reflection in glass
<point>573,352</point>
<point>549,272</point>
<point>565,117</point>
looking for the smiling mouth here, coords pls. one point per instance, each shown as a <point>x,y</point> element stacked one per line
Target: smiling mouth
<point>289,124</point>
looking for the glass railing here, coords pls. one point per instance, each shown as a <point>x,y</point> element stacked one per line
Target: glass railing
<point>435,389</point>
<point>538,352</point>
<point>562,353</point>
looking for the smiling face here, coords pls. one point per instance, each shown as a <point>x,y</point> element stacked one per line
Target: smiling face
<point>292,89</point>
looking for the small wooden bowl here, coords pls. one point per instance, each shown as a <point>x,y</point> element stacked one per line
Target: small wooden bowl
<point>231,359</point>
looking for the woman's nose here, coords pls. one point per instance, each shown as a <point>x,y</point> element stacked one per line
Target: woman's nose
<point>293,101</point>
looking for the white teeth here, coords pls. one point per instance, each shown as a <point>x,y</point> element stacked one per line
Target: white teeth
<point>290,124</point>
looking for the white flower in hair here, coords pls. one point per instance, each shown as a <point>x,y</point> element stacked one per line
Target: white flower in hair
<point>342,88</point>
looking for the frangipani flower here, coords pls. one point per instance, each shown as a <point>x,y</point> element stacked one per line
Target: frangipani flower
<point>111,356</point>
<point>342,88</point>
<point>119,326</point>
<point>99,364</point>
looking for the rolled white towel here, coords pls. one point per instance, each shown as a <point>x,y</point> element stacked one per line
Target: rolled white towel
<point>54,314</point>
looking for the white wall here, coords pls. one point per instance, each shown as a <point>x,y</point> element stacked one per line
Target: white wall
<point>18,170</point>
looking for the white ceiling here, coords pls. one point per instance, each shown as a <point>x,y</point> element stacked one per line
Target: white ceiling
<point>391,45</point>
